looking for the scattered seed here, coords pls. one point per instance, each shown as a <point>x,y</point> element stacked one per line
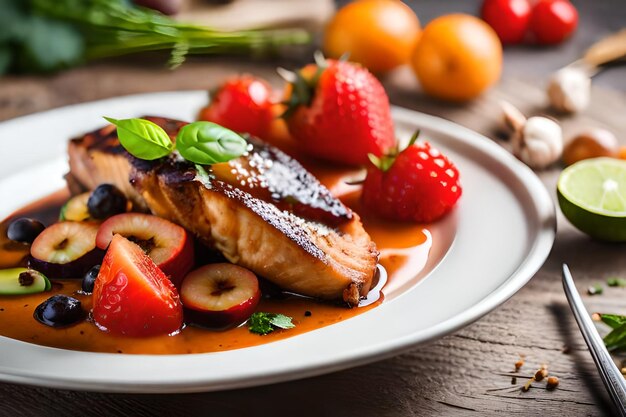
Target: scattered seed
<point>595,289</point>
<point>596,317</point>
<point>519,364</point>
<point>514,380</point>
<point>541,374</point>
<point>552,383</point>
<point>623,370</point>
<point>566,350</point>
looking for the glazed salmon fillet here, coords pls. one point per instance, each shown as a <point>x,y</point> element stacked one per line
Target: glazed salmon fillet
<point>263,211</point>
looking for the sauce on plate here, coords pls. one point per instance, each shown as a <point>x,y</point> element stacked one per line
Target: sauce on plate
<point>404,251</point>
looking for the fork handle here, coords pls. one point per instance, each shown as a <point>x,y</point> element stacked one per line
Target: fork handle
<point>611,376</point>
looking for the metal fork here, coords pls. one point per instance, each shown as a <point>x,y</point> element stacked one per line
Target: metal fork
<point>611,376</point>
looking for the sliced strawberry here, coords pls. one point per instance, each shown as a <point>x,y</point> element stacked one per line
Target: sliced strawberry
<point>169,245</point>
<point>132,296</point>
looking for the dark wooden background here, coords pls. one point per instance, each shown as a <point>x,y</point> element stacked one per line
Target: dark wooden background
<point>468,372</point>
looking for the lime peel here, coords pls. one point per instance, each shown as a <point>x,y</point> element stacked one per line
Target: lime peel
<point>592,196</point>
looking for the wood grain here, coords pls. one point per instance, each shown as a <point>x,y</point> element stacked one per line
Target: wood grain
<point>467,373</point>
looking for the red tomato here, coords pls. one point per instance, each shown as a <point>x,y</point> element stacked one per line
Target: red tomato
<point>132,296</point>
<point>553,21</point>
<point>242,104</point>
<point>509,18</point>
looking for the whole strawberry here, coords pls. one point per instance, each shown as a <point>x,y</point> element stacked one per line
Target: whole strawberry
<point>418,184</point>
<point>338,111</point>
<point>243,104</point>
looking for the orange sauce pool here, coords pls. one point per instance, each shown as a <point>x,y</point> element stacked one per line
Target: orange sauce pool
<point>404,250</point>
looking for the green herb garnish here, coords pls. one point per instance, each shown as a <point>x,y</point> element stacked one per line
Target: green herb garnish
<point>616,339</point>
<point>595,289</point>
<point>208,143</point>
<point>613,320</point>
<point>142,138</point>
<point>616,282</point>
<point>264,323</point>
<point>45,35</point>
<point>202,143</point>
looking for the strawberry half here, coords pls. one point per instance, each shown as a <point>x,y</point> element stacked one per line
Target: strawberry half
<point>132,296</point>
<point>338,111</point>
<point>417,184</point>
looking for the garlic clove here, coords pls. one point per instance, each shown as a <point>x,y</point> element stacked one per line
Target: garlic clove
<point>539,143</point>
<point>569,90</point>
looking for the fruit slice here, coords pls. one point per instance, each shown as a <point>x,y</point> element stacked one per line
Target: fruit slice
<point>75,209</point>
<point>132,296</point>
<point>592,195</point>
<point>20,281</point>
<point>169,245</point>
<point>66,250</point>
<point>220,295</point>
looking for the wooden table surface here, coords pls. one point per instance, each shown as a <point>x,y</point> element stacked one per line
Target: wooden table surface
<point>468,372</point>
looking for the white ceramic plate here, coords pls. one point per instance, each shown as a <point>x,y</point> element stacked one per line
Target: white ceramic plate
<point>505,229</point>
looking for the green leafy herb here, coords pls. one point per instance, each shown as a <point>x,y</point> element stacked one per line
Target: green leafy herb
<point>616,282</point>
<point>46,35</point>
<point>142,138</point>
<point>208,143</point>
<point>264,323</point>
<point>616,340</point>
<point>595,289</point>
<point>613,320</point>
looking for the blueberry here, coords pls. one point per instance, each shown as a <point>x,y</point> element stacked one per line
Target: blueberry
<point>90,279</point>
<point>105,201</point>
<point>24,230</point>
<point>59,310</point>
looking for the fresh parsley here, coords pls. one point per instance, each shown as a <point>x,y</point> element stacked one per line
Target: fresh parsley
<point>203,143</point>
<point>264,323</point>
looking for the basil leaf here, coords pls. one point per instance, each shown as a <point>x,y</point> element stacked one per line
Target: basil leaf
<point>208,143</point>
<point>142,138</point>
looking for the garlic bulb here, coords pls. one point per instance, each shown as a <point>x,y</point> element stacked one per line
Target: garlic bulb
<point>539,142</point>
<point>569,90</point>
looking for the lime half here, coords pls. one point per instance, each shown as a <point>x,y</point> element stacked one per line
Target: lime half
<point>592,195</point>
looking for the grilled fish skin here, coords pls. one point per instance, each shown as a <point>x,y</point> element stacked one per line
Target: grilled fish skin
<point>263,211</point>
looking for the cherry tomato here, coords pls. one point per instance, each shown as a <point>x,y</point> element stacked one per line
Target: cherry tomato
<point>553,21</point>
<point>243,104</point>
<point>509,18</point>
<point>378,34</point>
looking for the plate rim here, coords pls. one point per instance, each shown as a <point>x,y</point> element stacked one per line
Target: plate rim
<point>535,258</point>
